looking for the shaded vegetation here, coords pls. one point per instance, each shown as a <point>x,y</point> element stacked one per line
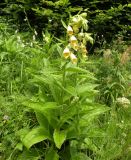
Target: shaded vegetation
<point>65,80</point>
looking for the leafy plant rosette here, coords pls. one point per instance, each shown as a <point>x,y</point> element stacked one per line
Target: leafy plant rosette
<point>64,105</point>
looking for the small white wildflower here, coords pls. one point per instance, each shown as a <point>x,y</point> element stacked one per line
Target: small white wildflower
<point>5,117</point>
<point>123,101</point>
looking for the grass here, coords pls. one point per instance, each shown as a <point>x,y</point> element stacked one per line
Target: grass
<point>35,71</point>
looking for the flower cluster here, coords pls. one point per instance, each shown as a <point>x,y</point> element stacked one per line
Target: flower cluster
<point>77,38</point>
<point>123,101</point>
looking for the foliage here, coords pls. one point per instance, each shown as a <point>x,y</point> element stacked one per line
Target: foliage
<point>106,17</point>
<point>12,78</point>
<point>51,102</point>
<point>64,107</point>
<point>113,73</point>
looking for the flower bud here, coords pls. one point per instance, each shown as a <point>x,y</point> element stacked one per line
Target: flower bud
<point>80,36</point>
<point>82,46</point>
<point>84,15</point>
<point>75,28</point>
<point>75,46</point>
<point>75,20</point>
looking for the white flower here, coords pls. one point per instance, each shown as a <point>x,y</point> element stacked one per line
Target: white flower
<point>123,101</point>
<point>6,117</point>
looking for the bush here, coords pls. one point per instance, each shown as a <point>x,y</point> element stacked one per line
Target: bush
<point>106,18</point>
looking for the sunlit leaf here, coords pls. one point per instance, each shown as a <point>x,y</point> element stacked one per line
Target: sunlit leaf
<point>52,155</point>
<point>59,137</point>
<point>36,135</point>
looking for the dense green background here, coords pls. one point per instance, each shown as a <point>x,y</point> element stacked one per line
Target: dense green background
<point>106,18</point>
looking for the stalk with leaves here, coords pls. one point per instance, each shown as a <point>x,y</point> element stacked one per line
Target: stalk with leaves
<point>64,102</point>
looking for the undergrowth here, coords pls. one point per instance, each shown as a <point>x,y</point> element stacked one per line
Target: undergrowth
<point>57,102</point>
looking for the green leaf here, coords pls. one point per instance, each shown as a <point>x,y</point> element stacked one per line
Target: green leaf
<point>35,136</point>
<point>88,87</point>
<point>31,154</point>
<point>92,114</point>
<point>49,110</point>
<point>78,70</point>
<point>19,146</point>
<point>59,138</point>
<point>67,113</point>
<point>43,122</point>
<point>41,107</point>
<point>64,25</point>
<point>52,155</point>
<point>129,5</point>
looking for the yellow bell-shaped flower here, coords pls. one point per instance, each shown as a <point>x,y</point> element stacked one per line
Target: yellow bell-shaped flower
<point>73,58</point>
<point>73,40</point>
<point>66,53</point>
<point>75,46</point>
<point>69,30</point>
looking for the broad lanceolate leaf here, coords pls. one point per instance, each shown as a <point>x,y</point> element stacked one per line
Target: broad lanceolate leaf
<point>92,114</point>
<point>35,136</point>
<point>59,138</point>
<point>48,109</point>
<point>41,107</point>
<point>31,154</point>
<point>43,122</point>
<point>52,155</point>
<point>86,88</point>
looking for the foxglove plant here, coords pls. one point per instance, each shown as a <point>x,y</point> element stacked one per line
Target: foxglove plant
<point>64,105</point>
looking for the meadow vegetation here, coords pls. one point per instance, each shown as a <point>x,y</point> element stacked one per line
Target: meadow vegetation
<point>65,80</point>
